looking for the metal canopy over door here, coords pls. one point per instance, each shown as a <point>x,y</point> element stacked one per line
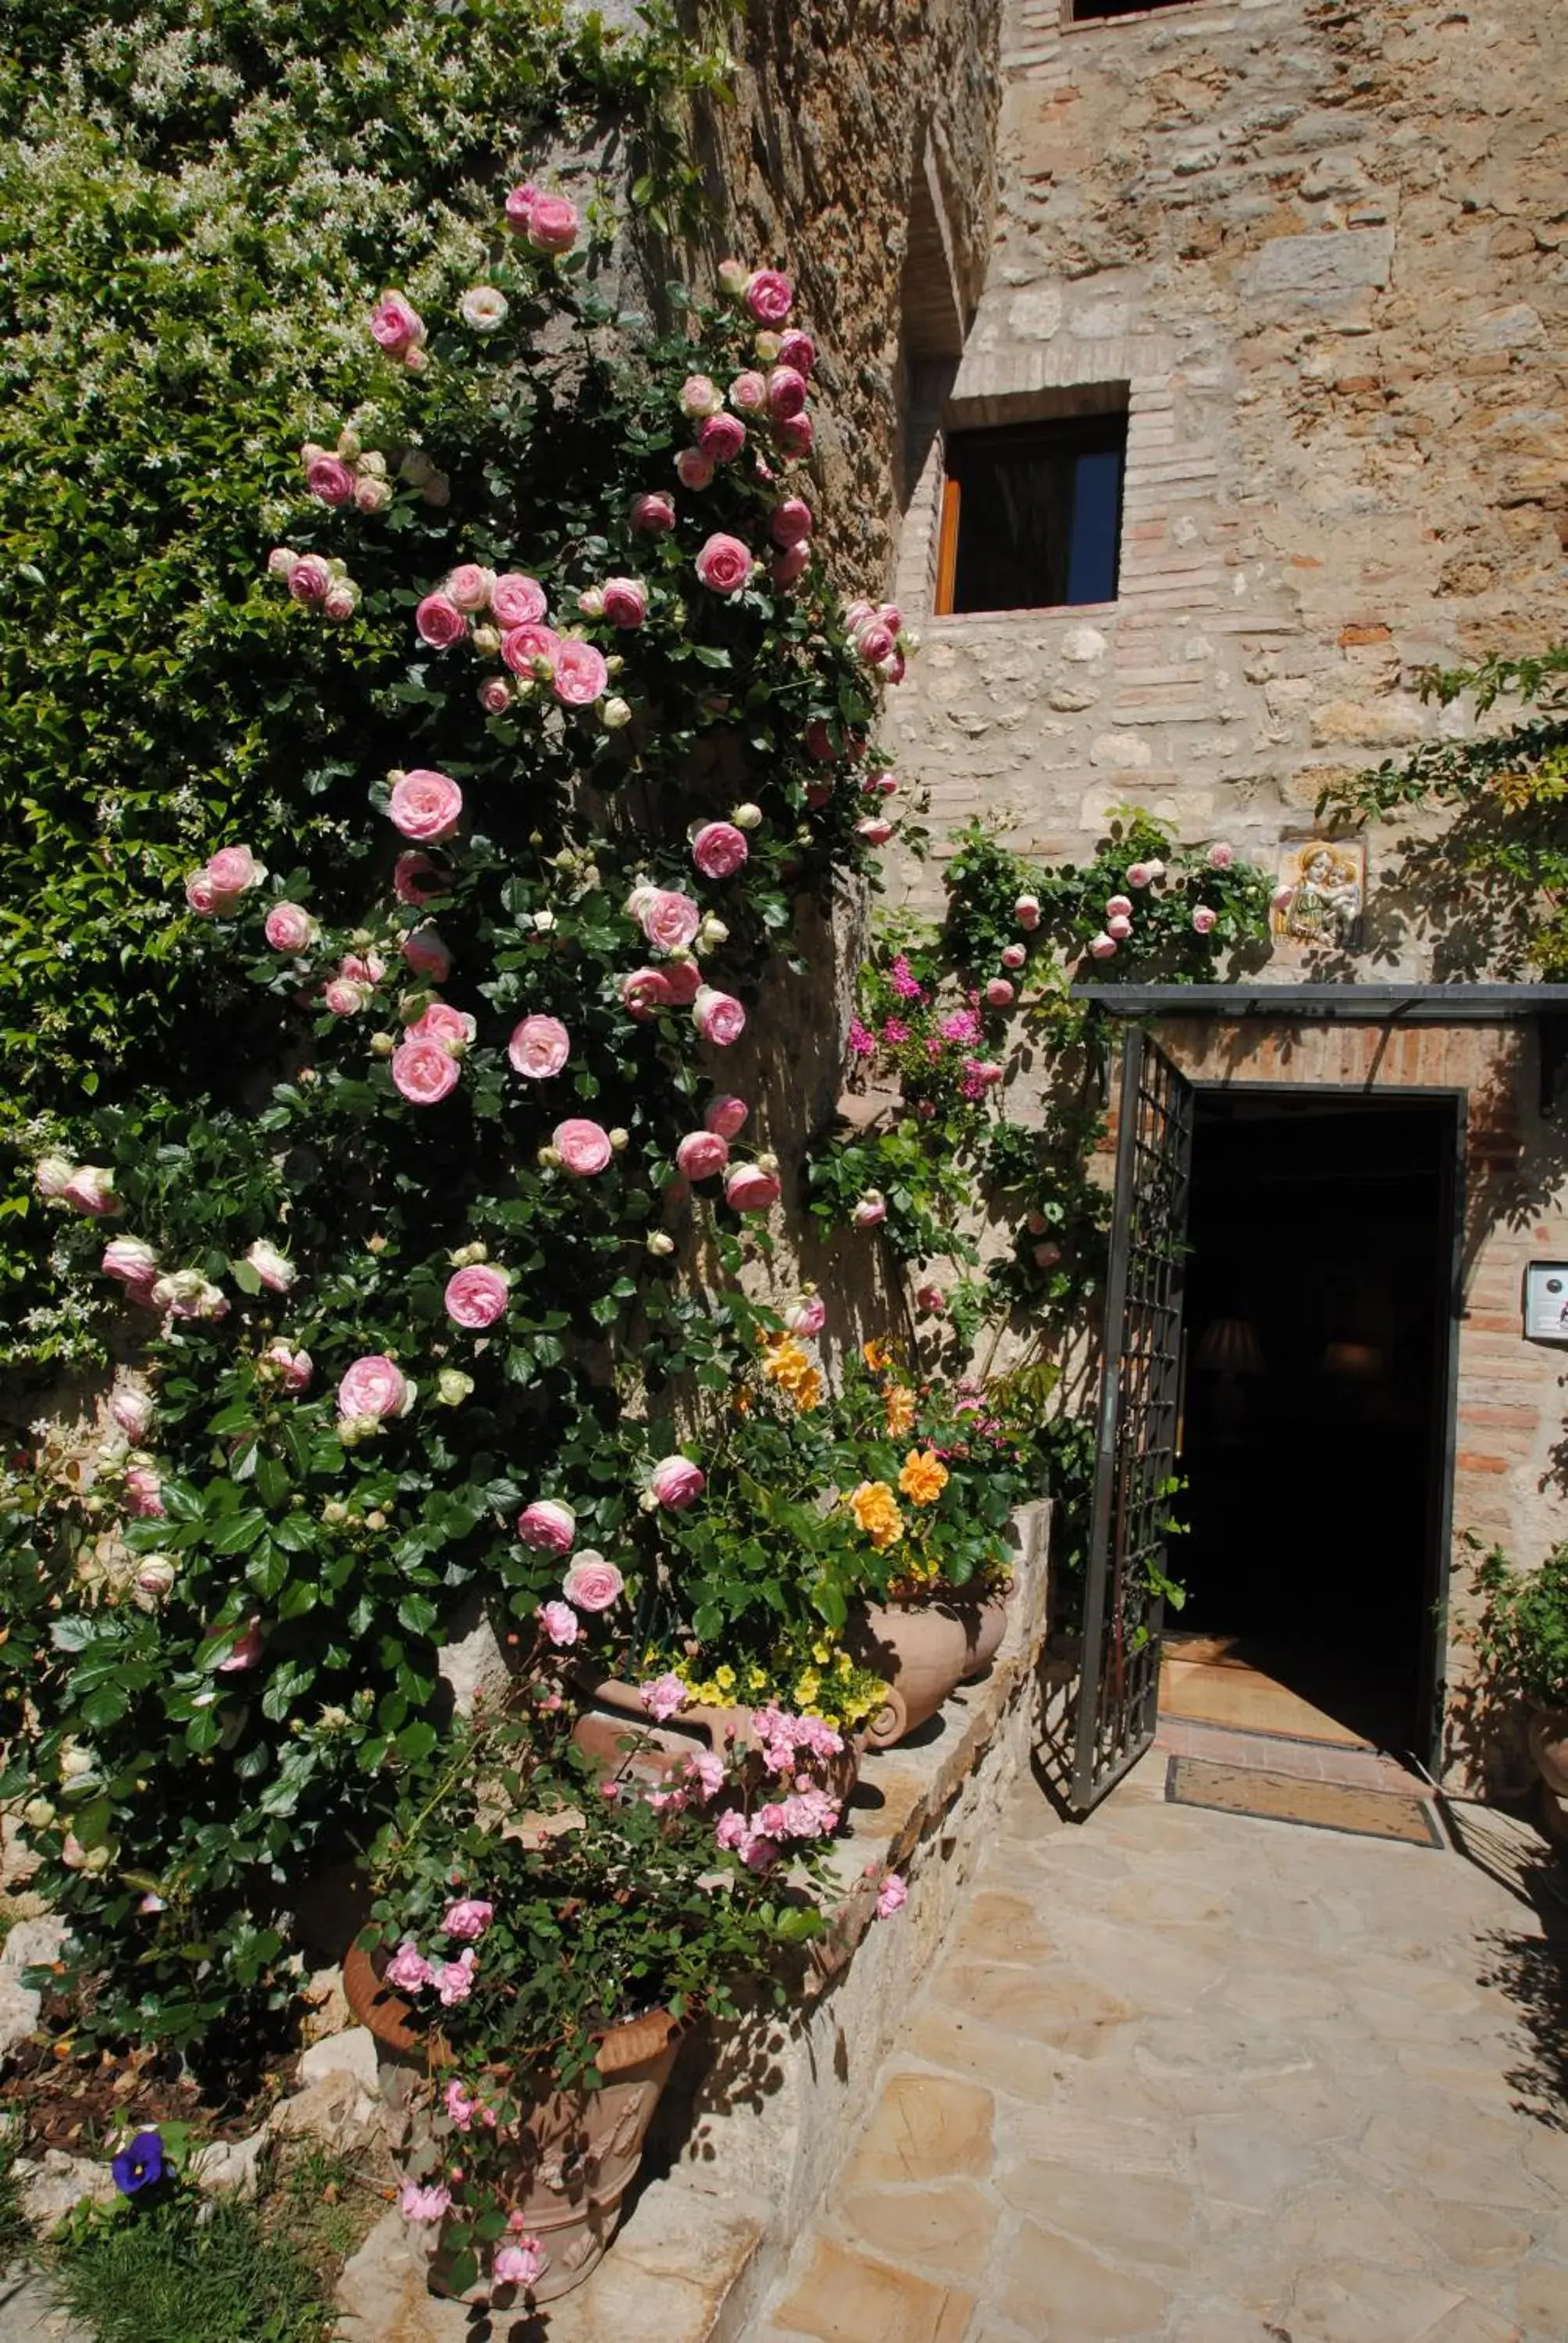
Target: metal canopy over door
<point>1140,1399</point>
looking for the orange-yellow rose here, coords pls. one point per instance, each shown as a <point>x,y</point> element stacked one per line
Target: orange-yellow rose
<point>924,1477</point>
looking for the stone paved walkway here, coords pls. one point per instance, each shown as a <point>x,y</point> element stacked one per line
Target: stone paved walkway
<point>1193,2076</point>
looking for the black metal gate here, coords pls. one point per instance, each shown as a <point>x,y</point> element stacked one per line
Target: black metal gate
<point>1140,1401</point>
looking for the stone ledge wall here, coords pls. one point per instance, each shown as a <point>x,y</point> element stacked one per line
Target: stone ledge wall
<point>1325,247</point>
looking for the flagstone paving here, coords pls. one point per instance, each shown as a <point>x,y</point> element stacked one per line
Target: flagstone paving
<point>1205,2078</point>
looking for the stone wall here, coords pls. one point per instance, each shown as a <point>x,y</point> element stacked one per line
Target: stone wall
<point>1324,247</point>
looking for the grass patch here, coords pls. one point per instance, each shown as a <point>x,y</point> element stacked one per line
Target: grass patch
<point>15,2233</point>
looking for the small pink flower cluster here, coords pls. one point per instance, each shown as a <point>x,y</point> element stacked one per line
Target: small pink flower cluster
<point>508,614</point>
<point>452,1981</point>
<point>1119,909</point>
<point>86,1188</point>
<point>876,632</point>
<point>546,224</point>
<point>346,475</point>
<point>315,583</point>
<point>785,1740</point>
<point>224,881</point>
<point>397,330</point>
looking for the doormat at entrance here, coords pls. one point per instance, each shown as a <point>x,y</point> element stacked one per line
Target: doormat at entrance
<point>1282,1798</point>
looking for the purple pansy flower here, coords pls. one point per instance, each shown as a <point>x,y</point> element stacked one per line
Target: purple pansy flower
<point>140,2165</point>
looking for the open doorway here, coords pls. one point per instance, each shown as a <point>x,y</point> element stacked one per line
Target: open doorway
<point>1315,1417</point>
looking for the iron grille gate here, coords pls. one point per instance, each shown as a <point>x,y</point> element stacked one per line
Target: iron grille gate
<point>1140,1399</point>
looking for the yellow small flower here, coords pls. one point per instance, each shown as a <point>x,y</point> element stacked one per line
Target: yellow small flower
<point>725,1678</point>
<point>758,1679</point>
<point>821,1653</point>
<point>924,1477</point>
<point>876,1513</point>
<point>807,1688</point>
<point>808,1392</point>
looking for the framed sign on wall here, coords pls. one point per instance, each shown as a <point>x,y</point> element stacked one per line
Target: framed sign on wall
<point>1546,1302</point>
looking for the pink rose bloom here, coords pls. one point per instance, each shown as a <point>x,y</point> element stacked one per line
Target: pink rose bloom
<point>694,469</point>
<point>143,1493</point>
<point>749,1188</point>
<point>454,1981</point>
<point>795,434</point>
<point>552,224</point>
<point>395,325</point>
<point>1203,918</point>
<point>875,829</point>
<point>290,928</point>
<point>873,643</point>
<point>700,395</point>
<point>470,586</point>
<point>423,1071</point>
<point>789,523</point>
<point>476,1297</point>
<point>749,393</point>
<point>427,955</point>
<point>294,1368</point>
<point>719,1017</point>
<point>519,205</point>
<point>1220,857</point>
<point>375,1385</point>
<point>90,1190</point>
<point>231,872</point>
<point>52,1175</point>
<point>1046,1256</point>
<point>461,2108</point>
<point>346,996</point>
<point>653,513</point>
<point>468,1919</point>
<point>495,695</point>
<point>770,296</point>
<point>704,1767</point>
<point>684,979</point>
<point>1025,911</point>
<point>677,1482</point>
<point>732,1830</point>
<point>1139,874</point>
<point>880,785</point>
<point>986,1072</point>
<point>721,438</point>
<point>1120,906</point>
<point>662,1696</point>
<point>420,2204</point>
<point>592,1584</point>
<point>517,601</point>
<point>583,1146</point>
<point>244,1652</point>
<point>644,993</point>
<point>131,1260</point>
<point>760,1851</point>
<point>999,992</point>
<point>1119,928</point>
<point>727,1115</point>
<point>891,1896</point>
<point>771,1819</point>
<point>329,480</point>
<point>581,676</point>
<point>407,1970</point>
<point>1013,955</point>
<point>560,1622</point>
<point>1100,947</point>
<point>371,495</point>
<point>787,393</point>
<point>309,579</point>
<point>521,2261</point>
<point>668,919</point>
<point>410,875</point>
<point>625,601</point>
<point>131,1410</point>
<point>539,1047</point>
<point>724,564</point>
<point>524,648</point>
<point>702,1154</point>
<point>808,1315</point>
<point>439,622</point>
<point>870,1210</point>
<point>785,568</point>
<point>719,850</point>
<point>798,350</point>
<point>548,1525</point>
<point>425,805</point>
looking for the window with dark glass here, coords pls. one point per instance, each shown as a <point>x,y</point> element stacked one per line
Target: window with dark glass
<point>1031,515</point>
<point>1085,12</point>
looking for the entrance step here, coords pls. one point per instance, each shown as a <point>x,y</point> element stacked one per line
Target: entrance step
<point>1277,1752</point>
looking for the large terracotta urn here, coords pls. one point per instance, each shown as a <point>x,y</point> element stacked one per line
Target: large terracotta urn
<point>926,1648</point>
<point>1546,1732</point>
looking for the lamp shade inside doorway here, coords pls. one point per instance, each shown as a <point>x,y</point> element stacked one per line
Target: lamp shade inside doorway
<point>1314,1421</point>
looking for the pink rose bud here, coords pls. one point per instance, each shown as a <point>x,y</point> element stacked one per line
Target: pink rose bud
<point>329,480</point>
<point>870,1210</point>
<point>724,565</point>
<point>517,601</point>
<point>1046,1256</point>
<point>1283,898</point>
<point>454,1027</point>
<point>625,601</point>
<point>999,992</point>
<point>1203,918</point>
<point>794,434</point>
<point>439,622</point>
<point>131,1409</point>
<point>293,1368</point>
<point>747,816</point>
<point>519,207</point>
<point>719,850</point>
<point>798,350</point>
<point>693,469</point>
<point>1120,906</point>
<point>548,1525</point>
<point>676,1483</point>
<point>789,523</point>
<point>290,928</point>
<point>52,1175</point>
<point>1221,856</point>
<point>875,829</point>
<point>592,1584</point>
<point>1025,911</point>
<point>341,601</point>
<point>733,278</point>
<point>787,393</point>
<point>495,695</point>
<point>531,650</point>
<point>273,1268</point>
<point>702,1154</point>
<point>539,1048</point>
<point>645,992</point>
<point>1100,947</point>
<point>727,1115</point>
<point>654,514</point>
<point>1118,928</point>
<point>751,1187</point>
<point>721,438</point>
<point>770,296</point>
<point>425,805</point>
<point>1013,955</point>
<point>131,1260</point>
<point>806,1315</point>
<point>423,1071</point>
<point>243,1652</point>
<point>591,603</point>
<point>719,1017</point>
<point>560,1622</point>
<point>583,1147</point>
<point>931,1300</point>
<point>552,224</point>
<point>395,325</point>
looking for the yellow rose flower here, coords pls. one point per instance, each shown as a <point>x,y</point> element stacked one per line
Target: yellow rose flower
<point>899,1411</point>
<point>924,1477</point>
<point>876,1513</point>
<point>877,1356</point>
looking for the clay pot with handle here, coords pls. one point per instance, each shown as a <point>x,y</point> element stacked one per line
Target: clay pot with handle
<point>926,1648</point>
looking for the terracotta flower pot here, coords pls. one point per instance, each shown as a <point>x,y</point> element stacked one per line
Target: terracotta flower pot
<point>1547,1734</point>
<point>578,2153</point>
<point>925,1649</point>
<point>616,1710</point>
<point>376,2004</point>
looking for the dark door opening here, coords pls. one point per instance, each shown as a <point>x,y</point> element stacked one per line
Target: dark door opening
<point>1315,1420</point>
